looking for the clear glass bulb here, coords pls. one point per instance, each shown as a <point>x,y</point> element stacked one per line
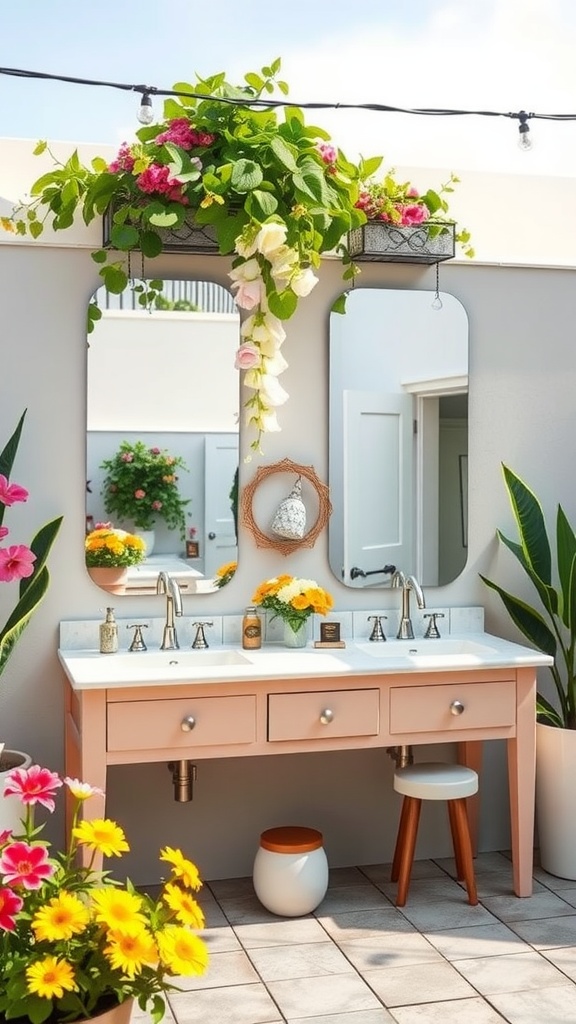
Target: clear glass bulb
<point>525,142</point>
<point>145,113</point>
<point>436,302</point>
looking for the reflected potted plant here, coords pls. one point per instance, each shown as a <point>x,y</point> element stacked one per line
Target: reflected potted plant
<point>551,628</point>
<point>27,567</point>
<point>141,486</point>
<point>109,553</point>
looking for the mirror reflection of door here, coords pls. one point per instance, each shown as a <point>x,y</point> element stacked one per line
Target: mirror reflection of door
<point>398,481</point>
<point>167,378</point>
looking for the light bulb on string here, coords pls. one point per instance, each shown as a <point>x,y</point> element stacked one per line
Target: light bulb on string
<point>145,113</point>
<point>436,303</point>
<point>525,141</point>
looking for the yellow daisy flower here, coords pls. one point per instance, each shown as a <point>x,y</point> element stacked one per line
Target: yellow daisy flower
<point>118,910</point>
<point>50,978</point>
<point>102,835</point>
<point>181,867</point>
<point>130,953</point>
<point>184,906</point>
<point>181,951</point>
<point>63,916</point>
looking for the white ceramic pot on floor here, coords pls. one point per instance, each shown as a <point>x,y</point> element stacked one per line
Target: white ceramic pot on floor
<point>11,809</point>
<point>556,799</point>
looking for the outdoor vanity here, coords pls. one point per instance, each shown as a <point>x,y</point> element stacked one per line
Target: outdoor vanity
<point>225,702</point>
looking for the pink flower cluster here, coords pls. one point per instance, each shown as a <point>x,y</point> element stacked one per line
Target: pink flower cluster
<point>157,178</point>
<point>328,153</point>
<point>16,560</point>
<point>402,214</point>
<point>182,134</point>
<point>124,161</point>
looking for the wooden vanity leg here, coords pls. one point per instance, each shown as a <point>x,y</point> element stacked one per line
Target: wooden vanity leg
<point>91,759</point>
<point>522,781</point>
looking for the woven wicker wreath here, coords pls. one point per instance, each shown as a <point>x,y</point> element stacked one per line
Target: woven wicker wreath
<point>266,540</point>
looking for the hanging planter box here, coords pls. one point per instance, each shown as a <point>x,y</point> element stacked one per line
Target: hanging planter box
<point>379,242</point>
<point>190,237</point>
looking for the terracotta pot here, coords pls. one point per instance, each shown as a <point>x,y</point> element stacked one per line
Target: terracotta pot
<point>109,577</point>
<point>118,1014</point>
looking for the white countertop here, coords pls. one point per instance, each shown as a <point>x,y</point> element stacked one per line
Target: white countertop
<point>88,669</point>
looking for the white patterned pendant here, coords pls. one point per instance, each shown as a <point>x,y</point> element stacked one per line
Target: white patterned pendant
<point>290,519</point>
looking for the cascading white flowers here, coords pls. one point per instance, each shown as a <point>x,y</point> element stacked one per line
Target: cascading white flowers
<point>266,257</point>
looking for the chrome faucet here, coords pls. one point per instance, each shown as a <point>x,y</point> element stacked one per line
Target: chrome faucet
<point>165,584</point>
<point>408,583</point>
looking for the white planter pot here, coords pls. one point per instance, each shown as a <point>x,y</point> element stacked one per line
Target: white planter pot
<point>149,538</point>
<point>556,799</point>
<point>11,809</point>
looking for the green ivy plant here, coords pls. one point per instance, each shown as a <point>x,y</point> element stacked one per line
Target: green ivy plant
<point>552,627</point>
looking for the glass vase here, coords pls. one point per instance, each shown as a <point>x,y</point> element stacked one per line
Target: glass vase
<point>295,638</point>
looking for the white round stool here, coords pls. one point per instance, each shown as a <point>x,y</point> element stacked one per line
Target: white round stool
<point>430,781</point>
<point>290,873</point>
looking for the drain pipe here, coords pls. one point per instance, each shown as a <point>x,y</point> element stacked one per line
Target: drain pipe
<point>183,779</point>
<point>402,756</point>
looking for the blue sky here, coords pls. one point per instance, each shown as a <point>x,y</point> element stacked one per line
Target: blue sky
<point>502,55</point>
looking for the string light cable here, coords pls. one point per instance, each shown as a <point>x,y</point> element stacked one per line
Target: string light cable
<point>145,114</point>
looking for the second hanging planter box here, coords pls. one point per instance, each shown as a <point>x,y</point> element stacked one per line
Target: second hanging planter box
<point>379,242</point>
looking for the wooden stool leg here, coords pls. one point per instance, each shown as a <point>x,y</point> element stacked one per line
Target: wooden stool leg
<point>400,840</point>
<point>455,841</point>
<point>412,818</point>
<point>465,846</point>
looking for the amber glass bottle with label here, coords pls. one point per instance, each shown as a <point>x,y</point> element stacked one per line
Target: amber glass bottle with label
<point>251,630</point>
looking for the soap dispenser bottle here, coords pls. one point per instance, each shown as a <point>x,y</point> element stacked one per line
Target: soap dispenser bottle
<point>109,634</point>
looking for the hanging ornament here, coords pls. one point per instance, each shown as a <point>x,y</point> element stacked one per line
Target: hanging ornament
<point>290,519</point>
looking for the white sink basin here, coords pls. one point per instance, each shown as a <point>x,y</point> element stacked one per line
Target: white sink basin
<point>150,666</point>
<point>419,650</point>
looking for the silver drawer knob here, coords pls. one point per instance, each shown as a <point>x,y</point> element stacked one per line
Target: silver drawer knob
<point>326,716</point>
<point>188,723</point>
<point>456,707</point>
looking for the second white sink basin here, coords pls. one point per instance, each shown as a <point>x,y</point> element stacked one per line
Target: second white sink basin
<point>416,649</point>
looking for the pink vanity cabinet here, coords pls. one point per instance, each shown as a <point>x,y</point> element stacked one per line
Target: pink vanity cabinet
<point>138,724</point>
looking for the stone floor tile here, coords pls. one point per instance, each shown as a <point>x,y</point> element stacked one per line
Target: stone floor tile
<point>481,940</point>
<point>541,904</point>
<point>280,932</point>
<point>548,932</point>
<point>346,876</point>
<point>496,883</point>
<point>224,969</point>
<point>568,895</point>
<point>457,1011</point>
<point>246,910</point>
<point>357,924</point>
<point>516,972</point>
<point>564,959</point>
<point>426,889</point>
<point>227,888</point>
<point>309,960</point>
<point>420,983</point>
<point>381,1016</point>
<point>309,997</point>
<point>236,1004</point>
<point>221,939</point>
<point>546,1006</point>
<point>552,881</point>
<point>435,916</point>
<point>420,869</point>
<point>484,862</point>
<point>393,950</point>
<point>351,897</point>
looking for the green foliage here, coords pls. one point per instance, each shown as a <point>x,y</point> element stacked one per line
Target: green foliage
<point>551,628</point>
<point>32,589</point>
<point>141,485</point>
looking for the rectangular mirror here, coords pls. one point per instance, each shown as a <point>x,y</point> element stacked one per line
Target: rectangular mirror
<point>165,379</point>
<point>398,438</point>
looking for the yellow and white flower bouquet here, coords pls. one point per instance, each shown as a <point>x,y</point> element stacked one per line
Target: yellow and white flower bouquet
<point>74,942</point>
<point>293,600</point>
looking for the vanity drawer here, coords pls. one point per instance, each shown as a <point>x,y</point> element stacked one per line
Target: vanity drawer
<point>323,714</point>
<point>156,724</point>
<point>437,708</point>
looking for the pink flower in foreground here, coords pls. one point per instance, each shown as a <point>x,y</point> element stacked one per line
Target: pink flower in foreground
<point>247,357</point>
<point>414,214</point>
<point>139,493</point>
<point>25,865</point>
<point>34,785</point>
<point>10,493</point>
<point>5,835</point>
<point>124,161</point>
<point>16,563</point>
<point>157,178</point>
<point>10,905</point>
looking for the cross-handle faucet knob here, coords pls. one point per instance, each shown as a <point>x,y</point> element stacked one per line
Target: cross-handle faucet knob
<point>432,632</point>
<point>137,640</point>
<point>377,631</point>
<point>200,642</point>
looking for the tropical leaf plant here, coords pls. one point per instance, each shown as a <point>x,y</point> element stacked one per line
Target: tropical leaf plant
<point>32,589</point>
<point>552,626</point>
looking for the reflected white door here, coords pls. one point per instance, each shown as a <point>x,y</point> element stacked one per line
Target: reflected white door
<point>221,463</point>
<point>378,483</point>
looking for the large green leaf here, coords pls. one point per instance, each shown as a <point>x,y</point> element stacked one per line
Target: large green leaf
<point>548,594</point>
<point>528,620</point>
<point>566,553</point>
<point>531,525</point>
<point>8,454</point>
